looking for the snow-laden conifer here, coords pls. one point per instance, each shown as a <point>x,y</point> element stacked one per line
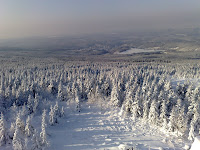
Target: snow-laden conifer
<point>30,104</point>
<point>77,101</point>
<point>115,98</point>
<point>52,116</point>
<point>36,144</point>
<point>43,134</point>
<point>29,128</point>
<point>3,131</point>
<point>18,138</point>
<point>153,113</point>
<point>163,115</point>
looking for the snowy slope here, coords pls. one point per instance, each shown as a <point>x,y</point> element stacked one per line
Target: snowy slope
<point>94,128</point>
<point>196,144</point>
<point>137,50</point>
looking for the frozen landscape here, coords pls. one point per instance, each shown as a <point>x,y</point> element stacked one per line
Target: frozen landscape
<point>99,75</point>
<point>105,105</point>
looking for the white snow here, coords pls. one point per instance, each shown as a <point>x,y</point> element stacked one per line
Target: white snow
<point>196,144</point>
<point>97,128</point>
<point>137,50</point>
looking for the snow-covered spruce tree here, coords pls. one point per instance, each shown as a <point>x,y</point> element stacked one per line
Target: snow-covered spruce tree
<point>57,110</point>
<point>77,101</point>
<point>18,138</point>
<point>36,103</point>
<point>145,110</point>
<point>196,117</point>
<point>190,92</point>
<point>153,113</point>
<point>136,105</point>
<point>30,104</point>
<point>115,101</point>
<point>106,88</point>
<point>36,145</point>
<point>29,128</point>
<point>19,98</point>
<point>52,116</point>
<point>19,123</point>
<point>2,103</point>
<point>190,108</point>
<point>2,88</point>
<point>14,110</point>
<point>8,93</point>
<point>191,132</point>
<point>182,122</point>
<point>12,130</point>
<point>60,94</point>
<point>121,90</point>
<point>173,120</point>
<point>97,94</point>
<point>43,135</point>
<point>3,131</point>
<point>163,115</point>
<point>62,112</point>
<point>82,90</point>
<point>196,93</point>
<point>128,102</point>
<point>24,110</point>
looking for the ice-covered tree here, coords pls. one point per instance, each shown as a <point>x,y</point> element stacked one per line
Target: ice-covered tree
<point>77,101</point>
<point>36,103</point>
<point>196,116</point>
<point>36,145</point>
<point>17,142</point>
<point>43,134</point>
<point>57,109</point>
<point>182,121</point>
<point>173,120</point>
<point>52,116</point>
<point>153,113</point>
<point>12,130</point>
<point>3,131</point>
<point>163,115</point>
<point>136,109</point>
<point>191,132</point>
<point>2,87</point>
<point>24,110</point>
<point>62,112</point>
<point>29,128</point>
<point>30,104</point>
<point>128,101</point>
<point>8,92</point>
<point>115,98</point>
<point>145,110</point>
<point>60,94</point>
<point>18,138</point>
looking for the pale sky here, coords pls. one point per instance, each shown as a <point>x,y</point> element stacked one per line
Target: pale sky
<point>26,18</point>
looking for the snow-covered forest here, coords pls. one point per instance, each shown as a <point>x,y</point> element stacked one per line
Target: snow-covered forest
<point>34,97</point>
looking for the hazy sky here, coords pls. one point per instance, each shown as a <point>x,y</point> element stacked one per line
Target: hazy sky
<point>25,18</point>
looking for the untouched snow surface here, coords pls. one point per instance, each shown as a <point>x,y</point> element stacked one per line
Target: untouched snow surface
<point>137,50</point>
<point>196,144</point>
<point>102,129</point>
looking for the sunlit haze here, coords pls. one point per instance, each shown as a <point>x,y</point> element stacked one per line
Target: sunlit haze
<point>26,18</point>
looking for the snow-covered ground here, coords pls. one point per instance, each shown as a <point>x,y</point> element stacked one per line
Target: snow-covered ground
<point>96,128</point>
<point>137,50</point>
<point>196,144</point>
